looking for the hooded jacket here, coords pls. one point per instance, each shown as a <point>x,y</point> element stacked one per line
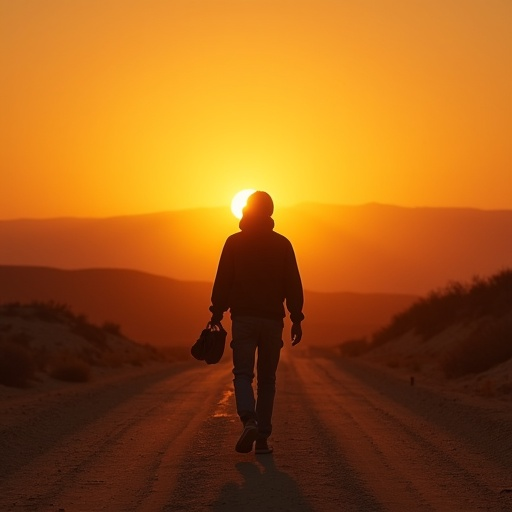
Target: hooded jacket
<point>257,274</point>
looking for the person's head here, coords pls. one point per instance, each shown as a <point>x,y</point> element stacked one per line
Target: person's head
<point>259,204</point>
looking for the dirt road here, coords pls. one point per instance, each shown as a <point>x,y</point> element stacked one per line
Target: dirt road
<point>347,438</point>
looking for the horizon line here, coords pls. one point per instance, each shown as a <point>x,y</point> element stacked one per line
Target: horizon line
<point>227,209</point>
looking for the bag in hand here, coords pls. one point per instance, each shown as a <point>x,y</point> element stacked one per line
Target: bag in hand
<point>210,345</point>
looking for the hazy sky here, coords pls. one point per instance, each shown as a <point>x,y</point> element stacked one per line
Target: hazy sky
<point>128,106</point>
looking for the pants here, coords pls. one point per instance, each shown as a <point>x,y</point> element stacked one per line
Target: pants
<point>265,335</point>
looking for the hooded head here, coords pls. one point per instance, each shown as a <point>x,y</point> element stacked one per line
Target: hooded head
<point>259,204</point>
<point>258,212</point>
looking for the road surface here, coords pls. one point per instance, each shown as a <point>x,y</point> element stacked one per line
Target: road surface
<point>347,437</point>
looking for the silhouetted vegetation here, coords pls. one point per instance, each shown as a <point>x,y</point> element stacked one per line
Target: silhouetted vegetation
<point>92,333</point>
<point>457,302</point>
<point>112,328</point>
<point>480,311</point>
<point>51,311</point>
<point>489,345</point>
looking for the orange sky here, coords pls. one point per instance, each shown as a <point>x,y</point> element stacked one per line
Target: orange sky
<point>113,107</point>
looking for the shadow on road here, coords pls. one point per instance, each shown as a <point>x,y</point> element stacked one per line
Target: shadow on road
<point>265,487</point>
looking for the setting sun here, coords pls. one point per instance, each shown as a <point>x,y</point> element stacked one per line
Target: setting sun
<point>306,98</point>
<point>239,200</point>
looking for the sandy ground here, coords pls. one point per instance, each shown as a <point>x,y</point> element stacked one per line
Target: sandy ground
<point>348,436</point>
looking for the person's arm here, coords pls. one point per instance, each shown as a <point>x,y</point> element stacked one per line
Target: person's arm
<point>294,295</point>
<point>222,285</point>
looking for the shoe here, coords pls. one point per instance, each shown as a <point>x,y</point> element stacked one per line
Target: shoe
<point>262,447</point>
<point>247,437</point>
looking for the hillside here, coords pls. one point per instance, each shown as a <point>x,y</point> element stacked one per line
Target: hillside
<point>461,334</point>
<point>164,311</point>
<point>365,249</point>
<point>49,339</point>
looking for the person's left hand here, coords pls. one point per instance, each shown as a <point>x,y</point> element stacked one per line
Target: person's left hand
<point>296,333</point>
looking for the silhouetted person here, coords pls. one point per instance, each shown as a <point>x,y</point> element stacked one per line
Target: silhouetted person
<point>257,275</point>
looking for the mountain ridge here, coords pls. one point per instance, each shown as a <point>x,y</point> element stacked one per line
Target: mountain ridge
<point>370,248</point>
<point>223,208</point>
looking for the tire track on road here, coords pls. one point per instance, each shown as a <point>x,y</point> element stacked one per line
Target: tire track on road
<point>409,463</point>
<point>115,461</point>
<point>165,442</point>
<point>306,473</point>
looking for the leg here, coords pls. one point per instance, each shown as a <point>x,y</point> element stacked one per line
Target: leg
<point>269,350</point>
<point>245,340</point>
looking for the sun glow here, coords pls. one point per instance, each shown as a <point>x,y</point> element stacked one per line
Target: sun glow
<point>239,201</point>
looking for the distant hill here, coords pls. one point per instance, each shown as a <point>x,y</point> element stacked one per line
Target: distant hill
<point>367,249</point>
<point>163,311</point>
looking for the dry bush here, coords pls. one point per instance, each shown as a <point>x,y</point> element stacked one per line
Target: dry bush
<point>113,328</point>
<point>16,365</point>
<point>488,346</point>
<point>90,332</point>
<point>51,311</point>
<point>11,309</point>
<point>71,369</point>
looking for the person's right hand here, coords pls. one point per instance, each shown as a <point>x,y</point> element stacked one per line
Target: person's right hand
<point>216,319</point>
<point>214,322</point>
<point>296,333</point>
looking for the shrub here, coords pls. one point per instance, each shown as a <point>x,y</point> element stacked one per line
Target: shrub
<point>11,309</point>
<point>112,328</point>
<point>488,346</point>
<point>90,332</point>
<point>16,365</point>
<point>71,369</point>
<point>51,311</point>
